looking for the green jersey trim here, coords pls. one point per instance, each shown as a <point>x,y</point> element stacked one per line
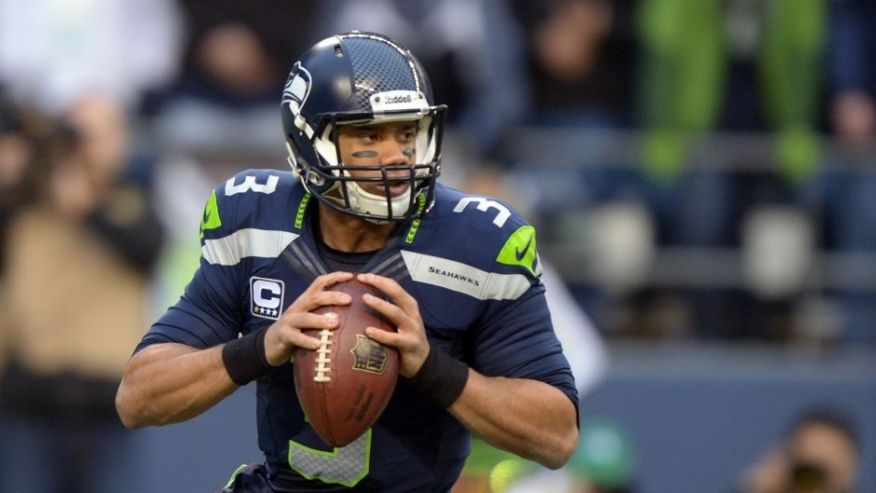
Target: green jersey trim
<point>302,208</point>
<point>234,475</point>
<point>415,224</point>
<point>345,465</point>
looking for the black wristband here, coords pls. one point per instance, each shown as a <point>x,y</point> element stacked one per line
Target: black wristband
<point>245,358</point>
<point>441,378</point>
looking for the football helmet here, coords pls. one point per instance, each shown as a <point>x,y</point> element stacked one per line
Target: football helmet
<point>361,78</point>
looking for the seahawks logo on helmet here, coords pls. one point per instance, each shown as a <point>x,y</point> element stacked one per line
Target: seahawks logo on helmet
<point>297,88</point>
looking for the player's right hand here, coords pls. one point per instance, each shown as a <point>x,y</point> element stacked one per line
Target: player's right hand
<point>286,334</point>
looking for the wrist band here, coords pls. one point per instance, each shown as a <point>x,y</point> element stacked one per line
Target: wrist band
<point>245,359</point>
<point>441,378</point>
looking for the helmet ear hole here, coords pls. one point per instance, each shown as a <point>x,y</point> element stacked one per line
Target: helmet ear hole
<point>315,178</point>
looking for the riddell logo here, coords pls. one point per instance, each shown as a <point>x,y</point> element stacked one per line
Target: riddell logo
<point>398,99</point>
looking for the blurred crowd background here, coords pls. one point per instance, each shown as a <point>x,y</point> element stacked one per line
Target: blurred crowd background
<point>702,174</point>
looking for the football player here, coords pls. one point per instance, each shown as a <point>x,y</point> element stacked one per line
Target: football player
<point>460,274</point>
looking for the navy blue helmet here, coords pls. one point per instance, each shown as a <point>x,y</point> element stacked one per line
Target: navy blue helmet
<point>354,79</point>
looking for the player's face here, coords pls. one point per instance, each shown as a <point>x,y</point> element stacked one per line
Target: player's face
<point>381,145</point>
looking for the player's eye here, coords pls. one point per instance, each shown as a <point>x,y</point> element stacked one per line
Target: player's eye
<point>408,135</point>
<point>370,137</point>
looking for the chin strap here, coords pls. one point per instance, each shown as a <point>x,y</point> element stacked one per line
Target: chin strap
<point>373,204</point>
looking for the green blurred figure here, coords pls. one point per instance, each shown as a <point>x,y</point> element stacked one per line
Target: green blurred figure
<point>490,470</point>
<point>693,49</point>
<point>752,69</point>
<point>603,463</point>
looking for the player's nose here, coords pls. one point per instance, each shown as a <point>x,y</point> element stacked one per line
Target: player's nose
<point>396,153</point>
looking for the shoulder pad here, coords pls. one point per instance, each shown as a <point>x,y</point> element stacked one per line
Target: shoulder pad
<point>492,234</point>
<point>255,198</point>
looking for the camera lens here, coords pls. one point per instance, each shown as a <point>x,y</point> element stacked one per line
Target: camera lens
<point>808,477</point>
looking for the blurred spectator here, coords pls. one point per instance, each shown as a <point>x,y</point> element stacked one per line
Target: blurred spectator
<point>472,48</point>
<point>236,59</point>
<point>580,58</point>
<point>16,153</point>
<point>850,193</point>
<point>740,65</point>
<point>819,455</point>
<point>54,51</point>
<point>852,109</point>
<point>736,66</point>
<point>77,263</point>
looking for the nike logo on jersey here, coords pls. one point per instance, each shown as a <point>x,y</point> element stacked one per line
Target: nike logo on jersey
<point>520,253</point>
<point>211,219</point>
<point>519,250</point>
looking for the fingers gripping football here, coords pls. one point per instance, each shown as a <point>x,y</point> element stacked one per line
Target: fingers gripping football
<point>402,310</point>
<point>286,334</point>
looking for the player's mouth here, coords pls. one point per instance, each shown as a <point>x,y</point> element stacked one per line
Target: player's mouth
<point>390,189</point>
<point>390,186</point>
<point>396,188</point>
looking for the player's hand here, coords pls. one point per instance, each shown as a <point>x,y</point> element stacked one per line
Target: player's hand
<point>285,334</point>
<point>404,313</point>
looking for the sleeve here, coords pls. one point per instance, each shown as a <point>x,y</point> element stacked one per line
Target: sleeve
<point>582,343</point>
<point>210,311</point>
<point>518,340</point>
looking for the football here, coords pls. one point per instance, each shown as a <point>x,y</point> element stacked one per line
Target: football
<point>344,386</point>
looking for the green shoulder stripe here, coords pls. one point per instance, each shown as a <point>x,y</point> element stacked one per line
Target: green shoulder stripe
<point>302,209</point>
<point>520,249</point>
<point>415,224</point>
<point>211,219</point>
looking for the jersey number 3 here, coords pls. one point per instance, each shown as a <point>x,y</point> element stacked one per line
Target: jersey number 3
<point>249,183</point>
<point>483,205</point>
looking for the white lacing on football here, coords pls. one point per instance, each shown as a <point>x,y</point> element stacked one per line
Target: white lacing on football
<point>323,360</point>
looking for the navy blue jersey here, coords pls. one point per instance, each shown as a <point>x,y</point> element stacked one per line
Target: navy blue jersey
<point>470,262</point>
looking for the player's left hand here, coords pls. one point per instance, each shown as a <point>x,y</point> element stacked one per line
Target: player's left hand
<point>402,310</point>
